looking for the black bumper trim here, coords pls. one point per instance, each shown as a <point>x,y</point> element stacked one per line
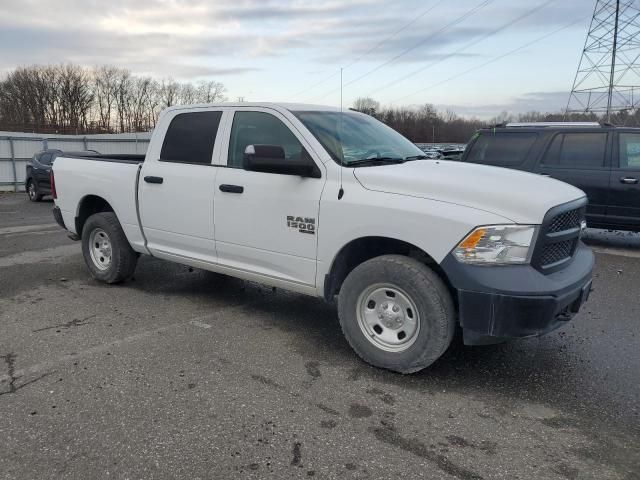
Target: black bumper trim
<point>495,303</point>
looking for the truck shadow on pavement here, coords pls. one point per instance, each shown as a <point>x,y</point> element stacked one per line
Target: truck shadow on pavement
<point>537,369</point>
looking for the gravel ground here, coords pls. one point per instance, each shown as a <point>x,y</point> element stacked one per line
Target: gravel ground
<point>181,373</point>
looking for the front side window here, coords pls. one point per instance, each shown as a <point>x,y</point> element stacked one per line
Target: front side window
<point>190,138</point>
<point>352,136</point>
<point>630,150</point>
<point>259,128</point>
<point>504,149</point>
<point>577,150</point>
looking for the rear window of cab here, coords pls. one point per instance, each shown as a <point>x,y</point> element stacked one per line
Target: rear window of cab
<point>502,149</point>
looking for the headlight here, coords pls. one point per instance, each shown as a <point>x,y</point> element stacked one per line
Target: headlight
<point>497,245</point>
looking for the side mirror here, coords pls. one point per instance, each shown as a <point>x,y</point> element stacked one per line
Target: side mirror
<point>271,159</point>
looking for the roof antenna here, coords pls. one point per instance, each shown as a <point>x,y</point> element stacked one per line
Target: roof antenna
<point>341,191</point>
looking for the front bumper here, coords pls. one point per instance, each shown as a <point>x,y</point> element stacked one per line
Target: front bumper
<point>499,302</point>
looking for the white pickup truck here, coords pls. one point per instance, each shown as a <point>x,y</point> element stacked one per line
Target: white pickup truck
<point>336,204</point>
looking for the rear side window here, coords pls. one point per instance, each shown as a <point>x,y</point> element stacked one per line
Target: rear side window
<point>630,150</point>
<point>577,150</point>
<point>45,159</point>
<point>190,138</point>
<point>504,149</point>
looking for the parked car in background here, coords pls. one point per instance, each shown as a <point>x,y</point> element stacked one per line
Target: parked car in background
<point>337,205</point>
<point>437,151</point>
<point>601,160</point>
<point>37,183</point>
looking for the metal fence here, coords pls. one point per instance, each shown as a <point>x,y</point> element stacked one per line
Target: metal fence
<point>16,150</point>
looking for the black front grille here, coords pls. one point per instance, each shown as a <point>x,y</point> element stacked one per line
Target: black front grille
<point>559,236</point>
<point>556,252</point>
<point>566,221</point>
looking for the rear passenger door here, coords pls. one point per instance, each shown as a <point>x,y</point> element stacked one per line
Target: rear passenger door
<point>176,186</point>
<point>582,160</point>
<point>624,200</point>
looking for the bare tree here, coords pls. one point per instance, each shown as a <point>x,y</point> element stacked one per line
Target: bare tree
<point>73,99</point>
<point>210,91</point>
<point>105,81</point>
<point>169,89</point>
<point>366,105</point>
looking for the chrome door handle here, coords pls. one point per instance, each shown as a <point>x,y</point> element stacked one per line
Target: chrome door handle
<point>628,180</point>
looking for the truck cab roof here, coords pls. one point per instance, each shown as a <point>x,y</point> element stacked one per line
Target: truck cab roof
<point>277,105</point>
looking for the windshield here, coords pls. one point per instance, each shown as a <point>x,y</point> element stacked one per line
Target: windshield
<point>351,137</point>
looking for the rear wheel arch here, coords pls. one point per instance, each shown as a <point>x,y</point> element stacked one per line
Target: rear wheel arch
<point>90,205</point>
<point>360,250</point>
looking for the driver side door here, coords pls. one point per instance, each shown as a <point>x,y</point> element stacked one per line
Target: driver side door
<point>267,223</point>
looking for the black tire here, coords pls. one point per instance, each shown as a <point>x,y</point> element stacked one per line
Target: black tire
<point>429,294</point>
<point>32,191</point>
<point>123,259</point>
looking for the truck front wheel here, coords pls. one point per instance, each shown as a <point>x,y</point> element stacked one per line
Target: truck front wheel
<point>106,250</point>
<point>396,313</point>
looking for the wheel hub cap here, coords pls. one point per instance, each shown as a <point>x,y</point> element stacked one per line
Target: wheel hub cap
<point>100,249</point>
<point>391,315</point>
<point>388,317</point>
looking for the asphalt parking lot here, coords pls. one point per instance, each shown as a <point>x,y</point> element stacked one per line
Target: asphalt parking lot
<point>181,373</point>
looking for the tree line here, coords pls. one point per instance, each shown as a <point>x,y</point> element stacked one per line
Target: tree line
<point>105,99</point>
<point>425,124</point>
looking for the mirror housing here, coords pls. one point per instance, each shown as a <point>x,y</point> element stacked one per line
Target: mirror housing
<point>271,159</point>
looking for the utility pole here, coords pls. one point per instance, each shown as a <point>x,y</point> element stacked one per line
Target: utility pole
<point>609,68</point>
<point>613,61</point>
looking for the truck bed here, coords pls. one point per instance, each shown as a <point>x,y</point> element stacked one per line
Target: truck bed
<point>112,178</point>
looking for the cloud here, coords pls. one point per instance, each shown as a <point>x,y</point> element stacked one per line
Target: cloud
<point>544,102</point>
<point>189,39</point>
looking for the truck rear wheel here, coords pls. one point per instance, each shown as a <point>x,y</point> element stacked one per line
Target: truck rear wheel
<point>106,250</point>
<point>396,313</point>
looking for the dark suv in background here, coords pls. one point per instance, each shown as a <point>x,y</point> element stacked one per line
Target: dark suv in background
<point>601,160</point>
<point>37,182</point>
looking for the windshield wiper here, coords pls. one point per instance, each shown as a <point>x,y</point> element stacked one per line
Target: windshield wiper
<point>416,157</point>
<point>376,161</point>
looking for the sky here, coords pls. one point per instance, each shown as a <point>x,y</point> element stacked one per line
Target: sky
<point>402,52</point>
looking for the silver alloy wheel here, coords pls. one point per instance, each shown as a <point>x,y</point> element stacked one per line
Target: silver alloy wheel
<point>100,248</point>
<point>31,190</point>
<point>388,317</point>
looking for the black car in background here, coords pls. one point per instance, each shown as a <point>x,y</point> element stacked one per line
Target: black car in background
<point>601,160</point>
<point>37,182</point>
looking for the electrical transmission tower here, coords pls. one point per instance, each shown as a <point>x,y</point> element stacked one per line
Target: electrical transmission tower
<point>608,76</point>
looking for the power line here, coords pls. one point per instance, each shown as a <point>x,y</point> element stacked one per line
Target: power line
<point>395,33</point>
<point>494,59</point>
<point>404,27</point>
<point>451,24</point>
<point>461,49</point>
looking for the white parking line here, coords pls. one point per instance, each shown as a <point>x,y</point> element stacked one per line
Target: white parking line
<point>54,254</point>
<point>50,364</point>
<point>27,228</point>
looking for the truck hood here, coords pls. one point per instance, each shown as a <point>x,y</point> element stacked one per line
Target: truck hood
<point>517,196</point>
